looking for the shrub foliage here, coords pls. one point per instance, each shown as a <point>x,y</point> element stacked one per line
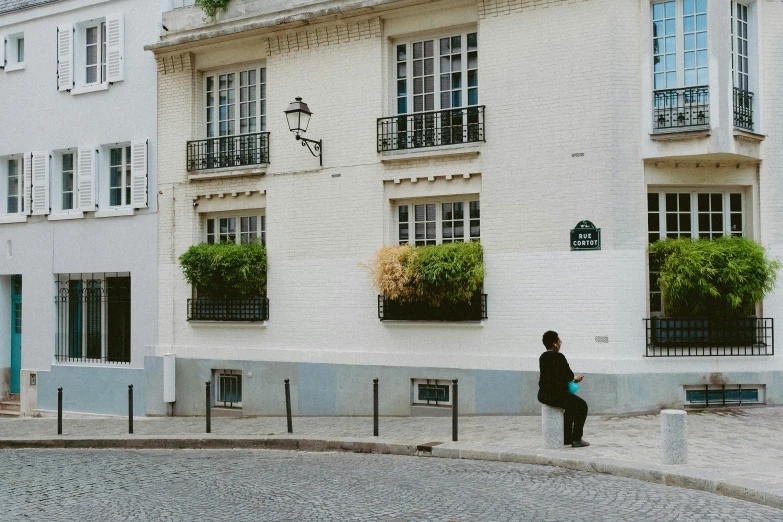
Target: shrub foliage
<point>450,272</point>
<point>226,270</point>
<point>211,7</point>
<point>723,277</point>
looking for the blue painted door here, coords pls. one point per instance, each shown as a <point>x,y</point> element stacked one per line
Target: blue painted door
<point>16,332</point>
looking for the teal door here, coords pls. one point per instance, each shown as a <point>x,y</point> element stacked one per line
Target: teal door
<point>16,332</point>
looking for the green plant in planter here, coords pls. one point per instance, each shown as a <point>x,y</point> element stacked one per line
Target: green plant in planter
<point>211,7</point>
<point>719,278</point>
<point>451,272</point>
<point>226,270</point>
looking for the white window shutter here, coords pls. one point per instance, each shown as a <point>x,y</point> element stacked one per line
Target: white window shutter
<point>139,174</point>
<point>115,48</point>
<point>40,186</point>
<point>27,181</point>
<point>64,57</point>
<point>5,52</point>
<point>86,184</point>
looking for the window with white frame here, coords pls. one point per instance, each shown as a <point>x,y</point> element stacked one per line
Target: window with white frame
<point>120,176</point>
<point>680,57</point>
<point>242,227</point>
<point>235,102</point>
<point>437,73</point>
<point>436,221</point>
<point>740,53</point>
<point>702,214</point>
<point>14,52</point>
<point>432,392</point>
<point>67,163</point>
<point>14,185</point>
<point>90,54</point>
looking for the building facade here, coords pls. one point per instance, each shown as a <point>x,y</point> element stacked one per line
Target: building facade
<point>78,208</point>
<point>510,122</point>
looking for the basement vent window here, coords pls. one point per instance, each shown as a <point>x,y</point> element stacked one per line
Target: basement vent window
<point>432,392</point>
<point>229,388</point>
<point>722,395</point>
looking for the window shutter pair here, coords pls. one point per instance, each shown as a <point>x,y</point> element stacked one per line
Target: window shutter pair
<point>86,157</point>
<point>115,52</point>
<point>35,176</point>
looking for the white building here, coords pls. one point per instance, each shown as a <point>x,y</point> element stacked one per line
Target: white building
<point>646,118</point>
<point>78,225</point>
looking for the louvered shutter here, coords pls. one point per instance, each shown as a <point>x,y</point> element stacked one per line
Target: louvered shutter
<point>115,48</point>
<point>139,174</point>
<point>5,52</point>
<point>86,184</point>
<point>64,57</point>
<point>40,188</point>
<point>27,182</point>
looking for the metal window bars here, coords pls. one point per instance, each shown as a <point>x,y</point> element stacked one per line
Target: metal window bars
<point>743,109</point>
<point>431,129</point>
<point>681,108</point>
<point>473,310</point>
<point>209,309</point>
<point>228,151</point>
<point>686,337</point>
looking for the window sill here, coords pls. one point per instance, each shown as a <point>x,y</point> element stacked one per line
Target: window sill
<point>14,67</point>
<point>59,216</point>
<point>745,135</point>
<point>448,324</point>
<point>461,149</point>
<point>124,211</point>
<point>13,218</point>
<point>90,88</point>
<point>233,324</point>
<point>229,172</point>
<point>681,133</point>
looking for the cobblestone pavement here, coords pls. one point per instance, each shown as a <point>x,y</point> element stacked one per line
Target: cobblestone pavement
<point>267,485</point>
<point>740,443</point>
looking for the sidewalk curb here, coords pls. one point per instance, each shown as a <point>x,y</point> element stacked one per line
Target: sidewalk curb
<point>700,480</point>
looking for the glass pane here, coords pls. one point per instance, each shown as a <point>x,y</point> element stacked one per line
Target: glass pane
<point>735,202</point>
<point>736,222</point>
<point>671,222</point>
<point>652,222</point>
<point>403,213</point>
<point>475,210</point>
<point>703,202</point>
<point>652,202</point>
<point>446,213</point>
<point>717,222</point>
<point>431,212</point>
<point>459,210</point>
<point>685,223</point>
<point>685,202</point>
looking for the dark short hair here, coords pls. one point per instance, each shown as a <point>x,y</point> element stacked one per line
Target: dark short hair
<point>550,338</point>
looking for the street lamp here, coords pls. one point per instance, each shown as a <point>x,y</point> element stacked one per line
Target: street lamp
<point>298,116</point>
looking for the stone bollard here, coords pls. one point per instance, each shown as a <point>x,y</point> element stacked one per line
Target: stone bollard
<point>552,426</point>
<point>674,436</point>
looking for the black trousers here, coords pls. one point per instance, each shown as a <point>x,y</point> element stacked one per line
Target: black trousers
<point>575,416</point>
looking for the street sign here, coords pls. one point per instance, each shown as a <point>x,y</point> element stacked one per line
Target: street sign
<point>585,236</point>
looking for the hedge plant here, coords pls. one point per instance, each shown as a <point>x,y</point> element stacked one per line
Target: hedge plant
<point>226,270</point>
<point>451,272</point>
<point>211,7</point>
<point>721,278</point>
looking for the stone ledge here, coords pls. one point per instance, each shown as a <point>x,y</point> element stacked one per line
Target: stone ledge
<point>678,134</point>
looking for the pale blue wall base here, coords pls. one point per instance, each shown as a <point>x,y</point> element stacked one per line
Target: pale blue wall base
<point>93,389</point>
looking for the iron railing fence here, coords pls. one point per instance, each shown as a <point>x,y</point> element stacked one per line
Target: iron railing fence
<point>209,309</point>
<point>93,318</point>
<point>684,337</point>
<point>473,310</point>
<point>743,109</point>
<point>430,129</point>
<point>681,108</point>
<point>228,151</point>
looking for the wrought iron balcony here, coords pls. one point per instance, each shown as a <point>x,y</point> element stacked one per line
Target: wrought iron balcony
<point>743,109</point>
<point>681,108</point>
<point>209,309</point>
<point>431,129</point>
<point>473,310</point>
<point>683,337</point>
<point>228,151</point>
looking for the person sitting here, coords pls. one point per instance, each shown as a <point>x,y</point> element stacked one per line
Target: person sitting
<point>553,390</point>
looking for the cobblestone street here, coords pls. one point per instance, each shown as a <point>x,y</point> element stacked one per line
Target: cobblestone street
<point>258,485</point>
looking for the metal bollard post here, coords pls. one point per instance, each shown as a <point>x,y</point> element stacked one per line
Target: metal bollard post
<point>209,410</point>
<point>288,405</point>
<point>375,407</point>
<point>59,411</point>
<point>454,409</point>
<point>130,408</point>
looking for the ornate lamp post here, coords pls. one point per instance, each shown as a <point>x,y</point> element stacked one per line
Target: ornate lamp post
<point>298,116</point>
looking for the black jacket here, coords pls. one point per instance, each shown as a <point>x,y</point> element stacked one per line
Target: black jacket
<point>554,379</point>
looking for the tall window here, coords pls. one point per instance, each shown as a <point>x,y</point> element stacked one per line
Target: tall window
<point>704,215</point>
<point>20,50</point>
<point>680,57</point>
<point>436,222</point>
<point>739,46</point>
<point>67,181</point>
<point>438,73</point>
<point>223,118</point>
<point>15,187</point>
<point>95,53</point>
<point>120,176</point>
<point>244,227</point>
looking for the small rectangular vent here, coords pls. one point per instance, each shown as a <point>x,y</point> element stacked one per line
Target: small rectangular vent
<point>602,338</point>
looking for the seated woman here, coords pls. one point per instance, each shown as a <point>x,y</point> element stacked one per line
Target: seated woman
<point>553,390</point>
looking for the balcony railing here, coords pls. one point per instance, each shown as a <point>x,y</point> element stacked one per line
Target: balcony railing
<point>681,108</point>
<point>682,337</point>
<point>743,109</point>
<point>228,151</point>
<point>431,129</point>
<point>208,309</point>
<point>473,310</point>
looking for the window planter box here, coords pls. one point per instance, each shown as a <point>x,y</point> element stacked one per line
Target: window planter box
<point>473,310</point>
<point>209,309</point>
<point>676,337</point>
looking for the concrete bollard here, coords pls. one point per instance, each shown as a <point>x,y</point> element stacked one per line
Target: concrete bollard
<point>674,437</point>
<point>552,426</point>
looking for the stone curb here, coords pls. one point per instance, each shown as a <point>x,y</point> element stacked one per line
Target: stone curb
<point>700,480</point>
